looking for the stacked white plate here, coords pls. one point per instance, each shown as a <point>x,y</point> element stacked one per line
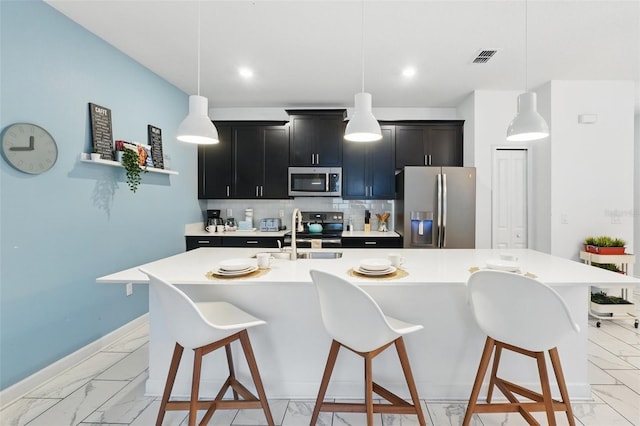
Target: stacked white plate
<point>503,265</point>
<point>233,267</point>
<point>374,267</point>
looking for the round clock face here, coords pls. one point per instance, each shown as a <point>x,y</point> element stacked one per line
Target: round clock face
<point>29,148</point>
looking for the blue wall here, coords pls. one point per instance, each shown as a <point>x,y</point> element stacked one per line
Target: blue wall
<point>61,230</point>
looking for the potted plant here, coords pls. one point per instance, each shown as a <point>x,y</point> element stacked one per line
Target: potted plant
<point>95,155</point>
<point>604,245</point>
<point>602,303</point>
<point>119,151</point>
<point>133,169</point>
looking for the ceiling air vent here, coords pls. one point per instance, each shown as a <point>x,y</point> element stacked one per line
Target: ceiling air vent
<point>484,55</point>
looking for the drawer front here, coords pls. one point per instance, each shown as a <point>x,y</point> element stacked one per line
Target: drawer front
<point>262,242</point>
<point>385,242</point>
<point>197,242</point>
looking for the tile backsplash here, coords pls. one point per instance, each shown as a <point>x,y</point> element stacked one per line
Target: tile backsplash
<point>284,208</point>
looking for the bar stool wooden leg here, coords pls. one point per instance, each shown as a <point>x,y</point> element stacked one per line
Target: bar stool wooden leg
<point>171,378</point>
<point>195,386</point>
<point>368,388</point>
<point>232,372</point>
<point>546,389</point>
<point>326,376</point>
<point>477,384</point>
<point>562,385</point>
<point>494,370</point>
<point>408,375</point>
<point>253,368</point>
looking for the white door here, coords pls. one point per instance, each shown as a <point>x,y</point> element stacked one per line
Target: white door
<point>509,199</point>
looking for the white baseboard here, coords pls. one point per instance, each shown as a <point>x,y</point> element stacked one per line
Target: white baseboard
<point>13,392</point>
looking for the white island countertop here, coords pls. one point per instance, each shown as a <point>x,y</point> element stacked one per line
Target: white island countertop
<point>291,348</point>
<point>424,267</point>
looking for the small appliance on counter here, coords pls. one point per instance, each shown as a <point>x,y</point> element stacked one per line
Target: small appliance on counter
<point>213,219</point>
<point>271,225</point>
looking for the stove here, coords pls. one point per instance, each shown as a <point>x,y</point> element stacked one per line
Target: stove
<point>331,235</point>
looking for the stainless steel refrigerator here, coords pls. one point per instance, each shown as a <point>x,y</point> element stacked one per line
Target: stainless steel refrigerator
<point>436,207</point>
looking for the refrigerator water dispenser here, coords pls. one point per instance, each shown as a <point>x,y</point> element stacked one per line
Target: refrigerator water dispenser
<point>421,228</point>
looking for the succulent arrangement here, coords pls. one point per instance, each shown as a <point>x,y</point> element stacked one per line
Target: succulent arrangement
<point>603,298</point>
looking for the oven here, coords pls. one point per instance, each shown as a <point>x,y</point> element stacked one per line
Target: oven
<point>330,237</point>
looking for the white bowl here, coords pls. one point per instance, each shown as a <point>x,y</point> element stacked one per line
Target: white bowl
<point>235,264</point>
<point>375,264</point>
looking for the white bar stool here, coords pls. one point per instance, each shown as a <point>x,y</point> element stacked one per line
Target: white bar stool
<point>521,315</point>
<point>354,321</point>
<point>205,327</point>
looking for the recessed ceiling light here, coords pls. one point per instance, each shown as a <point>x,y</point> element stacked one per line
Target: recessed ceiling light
<point>409,72</point>
<point>245,72</point>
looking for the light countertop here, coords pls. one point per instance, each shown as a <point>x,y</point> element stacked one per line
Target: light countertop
<point>424,267</point>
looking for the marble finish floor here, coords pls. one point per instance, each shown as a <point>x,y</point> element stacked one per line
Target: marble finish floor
<point>108,389</point>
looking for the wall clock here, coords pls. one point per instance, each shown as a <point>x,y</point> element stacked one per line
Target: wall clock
<point>29,148</point>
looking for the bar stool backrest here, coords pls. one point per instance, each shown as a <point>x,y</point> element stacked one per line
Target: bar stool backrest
<point>350,315</point>
<point>519,310</point>
<point>183,319</point>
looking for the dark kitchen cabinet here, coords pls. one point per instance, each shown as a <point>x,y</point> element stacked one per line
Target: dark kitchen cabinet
<point>262,242</point>
<point>430,144</point>
<point>215,172</point>
<point>261,162</point>
<point>251,161</point>
<point>197,242</point>
<point>368,170</point>
<point>316,137</point>
<point>372,242</point>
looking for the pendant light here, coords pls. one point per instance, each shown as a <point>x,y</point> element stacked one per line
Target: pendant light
<point>197,127</point>
<point>363,126</point>
<point>527,125</point>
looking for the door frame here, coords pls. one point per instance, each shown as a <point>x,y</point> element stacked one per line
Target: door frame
<point>514,147</point>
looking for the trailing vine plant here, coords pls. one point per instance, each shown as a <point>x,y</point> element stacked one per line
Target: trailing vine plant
<point>133,169</point>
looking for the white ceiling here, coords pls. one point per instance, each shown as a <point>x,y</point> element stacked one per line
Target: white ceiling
<point>308,53</point>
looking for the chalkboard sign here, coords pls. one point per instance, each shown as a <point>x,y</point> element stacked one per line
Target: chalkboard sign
<point>101,133</point>
<point>155,140</point>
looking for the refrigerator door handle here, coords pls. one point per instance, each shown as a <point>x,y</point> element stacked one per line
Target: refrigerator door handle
<point>444,210</point>
<point>439,217</point>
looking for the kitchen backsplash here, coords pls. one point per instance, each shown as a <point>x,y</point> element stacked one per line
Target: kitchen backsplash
<point>284,208</point>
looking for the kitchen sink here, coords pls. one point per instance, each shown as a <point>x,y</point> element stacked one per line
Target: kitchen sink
<point>319,254</point>
<point>305,254</point>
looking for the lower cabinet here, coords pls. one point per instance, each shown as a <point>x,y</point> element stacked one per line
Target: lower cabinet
<point>197,242</point>
<point>263,242</point>
<point>232,241</point>
<point>372,242</point>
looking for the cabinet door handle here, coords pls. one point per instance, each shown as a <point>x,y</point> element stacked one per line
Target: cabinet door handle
<point>426,162</point>
<point>370,243</point>
<point>429,156</point>
<point>251,242</point>
<point>261,190</point>
<point>313,159</point>
<point>227,190</point>
<point>204,242</point>
<point>317,158</point>
<point>256,190</point>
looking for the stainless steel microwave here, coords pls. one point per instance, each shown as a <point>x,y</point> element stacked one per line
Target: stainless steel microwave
<point>315,181</point>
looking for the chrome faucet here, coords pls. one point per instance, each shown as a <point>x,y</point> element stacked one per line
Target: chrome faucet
<point>296,226</point>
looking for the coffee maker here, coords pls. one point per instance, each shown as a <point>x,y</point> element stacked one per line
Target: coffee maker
<point>213,219</point>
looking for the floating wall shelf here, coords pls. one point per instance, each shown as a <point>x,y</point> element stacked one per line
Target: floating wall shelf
<point>86,158</point>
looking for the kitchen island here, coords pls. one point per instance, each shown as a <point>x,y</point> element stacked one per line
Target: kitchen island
<point>291,349</point>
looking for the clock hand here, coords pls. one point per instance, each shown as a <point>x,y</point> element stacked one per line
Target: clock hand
<point>24,148</point>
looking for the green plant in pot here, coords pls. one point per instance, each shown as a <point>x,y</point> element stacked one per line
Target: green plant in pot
<point>604,245</point>
<point>132,168</point>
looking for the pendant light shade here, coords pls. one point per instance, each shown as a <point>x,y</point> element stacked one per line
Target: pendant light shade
<point>197,126</point>
<point>528,125</point>
<point>363,126</point>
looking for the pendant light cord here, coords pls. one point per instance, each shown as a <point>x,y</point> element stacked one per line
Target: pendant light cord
<point>198,48</point>
<point>526,45</point>
<point>362,45</point>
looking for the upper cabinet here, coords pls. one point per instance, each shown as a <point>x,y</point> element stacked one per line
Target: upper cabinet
<point>250,162</point>
<point>316,137</point>
<point>368,170</point>
<point>429,144</point>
